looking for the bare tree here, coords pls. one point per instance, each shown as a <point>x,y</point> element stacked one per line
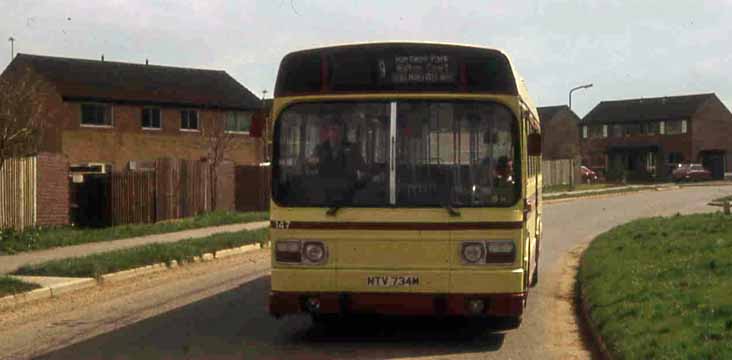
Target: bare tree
<point>217,143</point>
<point>22,113</point>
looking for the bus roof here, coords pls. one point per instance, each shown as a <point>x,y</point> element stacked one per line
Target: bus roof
<point>519,86</point>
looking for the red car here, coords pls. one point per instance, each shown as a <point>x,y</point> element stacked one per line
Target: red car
<point>588,175</point>
<point>691,172</point>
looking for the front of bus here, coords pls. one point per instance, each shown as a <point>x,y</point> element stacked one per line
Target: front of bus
<point>397,183</point>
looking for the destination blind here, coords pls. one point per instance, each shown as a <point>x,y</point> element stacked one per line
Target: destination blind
<point>395,68</point>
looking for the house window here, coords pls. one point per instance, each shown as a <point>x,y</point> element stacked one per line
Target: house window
<point>650,128</point>
<point>604,131</point>
<point>96,114</point>
<point>661,127</point>
<point>674,127</point>
<point>584,131</point>
<point>631,129</point>
<point>189,120</point>
<point>238,122</point>
<point>151,118</point>
<point>617,130</point>
<point>597,131</point>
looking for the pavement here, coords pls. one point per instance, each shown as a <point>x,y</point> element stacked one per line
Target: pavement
<point>9,263</point>
<point>218,309</point>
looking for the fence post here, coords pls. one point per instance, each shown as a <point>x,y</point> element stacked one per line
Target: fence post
<point>726,205</point>
<point>571,173</point>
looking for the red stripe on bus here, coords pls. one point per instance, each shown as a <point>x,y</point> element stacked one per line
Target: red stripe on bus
<point>397,225</point>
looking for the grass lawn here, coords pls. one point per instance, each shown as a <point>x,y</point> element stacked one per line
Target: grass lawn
<point>118,260</point>
<point>661,288</point>
<point>11,286</point>
<point>577,187</point>
<point>35,239</point>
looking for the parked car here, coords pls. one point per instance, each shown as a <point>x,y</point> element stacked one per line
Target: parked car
<point>588,175</point>
<point>691,172</point>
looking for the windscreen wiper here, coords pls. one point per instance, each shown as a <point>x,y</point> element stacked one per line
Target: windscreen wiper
<point>333,210</point>
<point>452,211</point>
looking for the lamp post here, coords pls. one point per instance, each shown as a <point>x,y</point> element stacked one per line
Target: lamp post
<point>574,89</point>
<point>12,47</point>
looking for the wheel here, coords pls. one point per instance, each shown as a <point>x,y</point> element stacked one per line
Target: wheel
<point>323,320</point>
<point>507,322</point>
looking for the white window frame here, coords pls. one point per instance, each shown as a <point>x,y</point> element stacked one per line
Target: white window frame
<point>604,130</point>
<point>234,131</point>
<point>585,131</point>
<point>198,121</point>
<point>161,118</point>
<point>662,127</point>
<point>684,126</point>
<point>105,126</point>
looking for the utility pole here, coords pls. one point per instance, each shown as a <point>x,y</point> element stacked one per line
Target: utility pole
<point>12,47</point>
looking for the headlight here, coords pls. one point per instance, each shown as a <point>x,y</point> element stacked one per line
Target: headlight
<point>472,252</point>
<point>314,252</point>
<point>500,246</point>
<point>288,251</point>
<point>300,251</point>
<point>500,251</point>
<point>488,252</point>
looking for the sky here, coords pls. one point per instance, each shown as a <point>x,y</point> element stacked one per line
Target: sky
<point>627,49</point>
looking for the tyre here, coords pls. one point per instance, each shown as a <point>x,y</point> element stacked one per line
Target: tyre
<point>326,321</point>
<point>507,322</point>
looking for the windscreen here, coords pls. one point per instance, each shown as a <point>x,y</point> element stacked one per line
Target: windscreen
<point>455,153</point>
<point>330,154</point>
<point>429,154</point>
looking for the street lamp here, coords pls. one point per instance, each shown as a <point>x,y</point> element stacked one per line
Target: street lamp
<point>573,90</point>
<point>12,47</point>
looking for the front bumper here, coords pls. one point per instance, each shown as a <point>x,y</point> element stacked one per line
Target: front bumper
<point>283,303</point>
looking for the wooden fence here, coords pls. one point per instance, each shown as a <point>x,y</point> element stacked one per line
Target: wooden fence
<point>173,189</point>
<point>132,198</point>
<point>252,188</point>
<point>183,188</point>
<point>18,191</point>
<point>559,172</point>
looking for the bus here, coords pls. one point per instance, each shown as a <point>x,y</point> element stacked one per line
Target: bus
<point>406,180</point>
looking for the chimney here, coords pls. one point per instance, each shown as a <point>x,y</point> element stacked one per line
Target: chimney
<point>146,62</point>
<point>102,57</point>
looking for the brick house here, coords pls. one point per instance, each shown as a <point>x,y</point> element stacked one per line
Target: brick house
<point>559,134</point>
<point>644,138</point>
<point>115,113</point>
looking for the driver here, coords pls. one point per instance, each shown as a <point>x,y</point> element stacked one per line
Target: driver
<point>339,162</point>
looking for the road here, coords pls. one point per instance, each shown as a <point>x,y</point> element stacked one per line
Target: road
<point>217,310</point>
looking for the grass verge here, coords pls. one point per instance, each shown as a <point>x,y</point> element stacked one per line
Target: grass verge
<point>726,198</point>
<point>99,264</point>
<point>12,242</point>
<point>577,187</point>
<point>660,288</point>
<point>12,286</point>
<point>608,192</point>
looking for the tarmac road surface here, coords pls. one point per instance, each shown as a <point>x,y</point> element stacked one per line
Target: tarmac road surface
<point>218,310</point>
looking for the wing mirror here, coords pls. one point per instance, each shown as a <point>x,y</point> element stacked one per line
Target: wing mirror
<point>257,127</point>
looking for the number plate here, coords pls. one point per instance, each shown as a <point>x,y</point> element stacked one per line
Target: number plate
<point>392,281</point>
